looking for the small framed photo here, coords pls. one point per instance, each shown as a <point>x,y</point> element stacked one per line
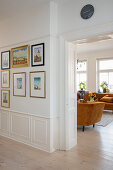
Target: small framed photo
<point>5,98</point>
<point>38,84</point>
<point>19,84</point>
<point>20,56</point>
<point>5,79</point>
<point>37,54</point>
<point>5,60</point>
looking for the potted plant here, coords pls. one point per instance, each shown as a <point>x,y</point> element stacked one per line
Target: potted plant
<point>104,86</point>
<point>82,85</point>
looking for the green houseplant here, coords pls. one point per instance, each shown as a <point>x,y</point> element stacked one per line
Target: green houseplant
<point>82,85</point>
<point>104,86</point>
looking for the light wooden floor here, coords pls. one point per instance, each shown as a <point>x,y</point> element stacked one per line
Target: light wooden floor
<point>93,152</point>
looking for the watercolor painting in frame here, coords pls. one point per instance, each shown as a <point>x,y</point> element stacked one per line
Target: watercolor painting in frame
<point>38,84</point>
<point>37,55</point>
<point>19,84</point>
<point>5,60</point>
<point>20,56</point>
<point>5,98</point>
<point>5,79</point>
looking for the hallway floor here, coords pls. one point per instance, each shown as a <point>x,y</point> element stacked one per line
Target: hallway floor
<point>93,152</point>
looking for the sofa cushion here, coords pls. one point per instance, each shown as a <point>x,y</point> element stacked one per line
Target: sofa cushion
<point>107,99</point>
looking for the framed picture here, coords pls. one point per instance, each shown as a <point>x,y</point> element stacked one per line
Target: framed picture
<point>5,79</point>
<point>20,56</point>
<point>38,84</point>
<point>37,54</point>
<point>5,60</point>
<point>19,84</point>
<point>5,98</point>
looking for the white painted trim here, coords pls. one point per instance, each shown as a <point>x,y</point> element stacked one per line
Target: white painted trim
<point>41,116</point>
<point>65,72</point>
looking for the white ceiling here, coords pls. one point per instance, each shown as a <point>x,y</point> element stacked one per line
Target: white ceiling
<point>9,8</point>
<point>102,42</point>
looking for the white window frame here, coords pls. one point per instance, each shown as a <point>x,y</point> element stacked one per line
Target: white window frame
<point>83,60</point>
<point>101,71</point>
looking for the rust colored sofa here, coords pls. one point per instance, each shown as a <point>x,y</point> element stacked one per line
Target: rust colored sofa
<point>89,113</point>
<point>108,105</point>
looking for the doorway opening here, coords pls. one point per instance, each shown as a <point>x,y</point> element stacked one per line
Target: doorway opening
<point>94,83</point>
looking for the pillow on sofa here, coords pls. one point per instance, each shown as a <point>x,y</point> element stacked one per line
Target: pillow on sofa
<point>107,99</point>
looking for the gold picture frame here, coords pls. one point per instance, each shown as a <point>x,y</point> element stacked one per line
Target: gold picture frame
<point>19,86</point>
<point>5,99</point>
<point>20,56</point>
<point>5,78</point>
<point>34,91</point>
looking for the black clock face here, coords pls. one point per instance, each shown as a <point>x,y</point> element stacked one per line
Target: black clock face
<point>87,11</point>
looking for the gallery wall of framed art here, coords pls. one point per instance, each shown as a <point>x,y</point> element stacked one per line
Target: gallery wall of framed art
<point>22,113</point>
<point>25,56</point>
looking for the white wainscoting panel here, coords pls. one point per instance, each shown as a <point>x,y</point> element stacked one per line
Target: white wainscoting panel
<point>39,131</point>
<point>20,126</point>
<point>29,129</point>
<point>4,122</point>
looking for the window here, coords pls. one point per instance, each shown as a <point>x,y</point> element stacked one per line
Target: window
<point>81,72</point>
<point>105,73</point>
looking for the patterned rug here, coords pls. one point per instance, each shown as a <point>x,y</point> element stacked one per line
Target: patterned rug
<point>105,121</point>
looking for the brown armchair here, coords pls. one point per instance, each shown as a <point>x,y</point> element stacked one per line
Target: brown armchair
<point>89,113</point>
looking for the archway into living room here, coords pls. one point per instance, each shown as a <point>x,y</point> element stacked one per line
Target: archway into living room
<point>94,86</point>
<point>102,39</point>
<point>94,77</point>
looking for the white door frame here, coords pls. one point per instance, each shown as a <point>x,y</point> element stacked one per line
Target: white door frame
<point>64,78</point>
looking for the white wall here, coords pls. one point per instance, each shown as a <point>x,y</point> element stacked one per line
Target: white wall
<point>91,52</point>
<point>29,120</point>
<point>20,22</point>
<point>27,104</point>
<point>69,18</point>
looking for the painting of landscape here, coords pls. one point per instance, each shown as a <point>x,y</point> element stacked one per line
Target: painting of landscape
<point>37,83</point>
<point>20,56</point>
<point>5,97</point>
<point>5,60</point>
<point>5,78</point>
<point>19,83</point>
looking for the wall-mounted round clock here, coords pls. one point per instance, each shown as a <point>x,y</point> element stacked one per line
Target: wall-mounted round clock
<point>87,11</point>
